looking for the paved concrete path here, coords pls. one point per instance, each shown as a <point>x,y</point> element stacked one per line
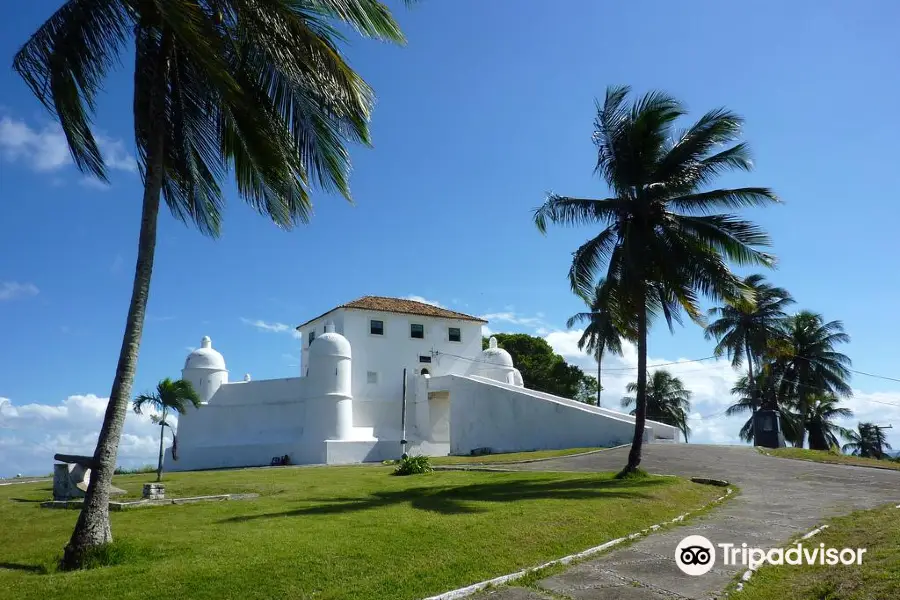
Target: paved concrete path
<point>779,498</point>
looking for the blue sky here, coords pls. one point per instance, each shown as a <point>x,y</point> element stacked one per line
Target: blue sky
<point>487,108</point>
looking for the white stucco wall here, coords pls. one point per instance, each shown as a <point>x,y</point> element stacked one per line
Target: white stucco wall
<point>661,431</point>
<point>507,418</point>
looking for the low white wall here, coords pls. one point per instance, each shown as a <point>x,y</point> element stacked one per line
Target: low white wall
<point>512,419</point>
<point>243,455</point>
<point>661,431</point>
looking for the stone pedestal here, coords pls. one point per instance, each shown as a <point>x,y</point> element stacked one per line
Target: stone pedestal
<point>70,481</point>
<point>154,491</point>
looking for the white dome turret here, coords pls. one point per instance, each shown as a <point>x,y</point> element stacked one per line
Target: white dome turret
<point>205,370</point>
<point>329,343</point>
<point>205,357</point>
<point>494,363</point>
<point>495,355</point>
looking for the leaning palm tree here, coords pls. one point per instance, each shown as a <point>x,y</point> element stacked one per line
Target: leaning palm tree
<point>823,409</point>
<point>601,334</point>
<point>809,361</point>
<point>170,397</point>
<point>667,400</point>
<point>661,246</point>
<point>743,328</point>
<point>259,89</point>
<point>868,441</point>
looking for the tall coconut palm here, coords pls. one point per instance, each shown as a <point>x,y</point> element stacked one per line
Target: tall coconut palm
<point>823,409</point>
<point>601,334</point>
<point>810,362</point>
<point>744,327</point>
<point>169,397</point>
<point>868,441</point>
<point>257,88</point>
<point>667,400</point>
<point>660,244</point>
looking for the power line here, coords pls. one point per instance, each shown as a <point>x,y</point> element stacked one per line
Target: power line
<point>677,362</point>
<point>693,360</point>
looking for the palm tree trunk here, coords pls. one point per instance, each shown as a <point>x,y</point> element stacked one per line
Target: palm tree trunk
<point>640,413</point>
<point>92,528</point>
<point>599,369</point>
<point>750,380</point>
<point>159,465</point>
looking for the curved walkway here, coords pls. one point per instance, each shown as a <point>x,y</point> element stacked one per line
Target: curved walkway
<point>779,498</point>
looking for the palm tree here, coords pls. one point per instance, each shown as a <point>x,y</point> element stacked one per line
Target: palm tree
<point>667,400</point>
<point>810,362</point>
<point>822,410</point>
<point>763,393</point>
<point>170,396</point>
<point>745,326</point>
<point>260,88</point>
<point>661,246</point>
<point>868,441</point>
<point>601,334</point>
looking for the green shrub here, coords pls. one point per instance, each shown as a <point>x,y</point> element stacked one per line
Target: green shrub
<point>835,450</point>
<point>413,465</point>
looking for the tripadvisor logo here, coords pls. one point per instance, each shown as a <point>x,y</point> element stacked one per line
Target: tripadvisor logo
<point>696,555</point>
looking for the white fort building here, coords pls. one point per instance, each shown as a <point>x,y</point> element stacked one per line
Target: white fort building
<point>347,405</point>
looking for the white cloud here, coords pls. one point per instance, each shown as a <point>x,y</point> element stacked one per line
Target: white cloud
<point>710,381</point>
<point>415,298</point>
<point>11,290</point>
<point>89,181</point>
<point>44,150</point>
<point>509,316</point>
<point>115,155</point>
<point>271,327</point>
<point>486,331</point>
<point>30,434</point>
<point>47,150</point>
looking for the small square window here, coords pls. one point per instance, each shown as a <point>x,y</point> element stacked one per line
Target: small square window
<point>371,377</point>
<point>455,334</point>
<point>376,327</point>
<point>312,336</point>
<point>417,331</point>
<point>424,359</point>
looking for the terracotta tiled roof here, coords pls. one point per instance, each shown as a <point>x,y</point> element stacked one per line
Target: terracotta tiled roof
<point>400,305</point>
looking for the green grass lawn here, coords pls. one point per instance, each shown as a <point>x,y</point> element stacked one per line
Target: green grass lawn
<point>333,532</point>
<point>827,457</point>
<point>877,578</point>
<point>505,458</point>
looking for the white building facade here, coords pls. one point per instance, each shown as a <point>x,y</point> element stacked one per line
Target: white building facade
<point>348,406</point>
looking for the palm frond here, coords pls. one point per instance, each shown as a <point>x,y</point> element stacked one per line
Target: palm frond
<point>575,212</point>
<point>588,259</point>
<point>64,64</point>
<point>732,199</point>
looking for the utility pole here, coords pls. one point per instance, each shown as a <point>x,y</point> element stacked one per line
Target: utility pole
<point>403,418</point>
